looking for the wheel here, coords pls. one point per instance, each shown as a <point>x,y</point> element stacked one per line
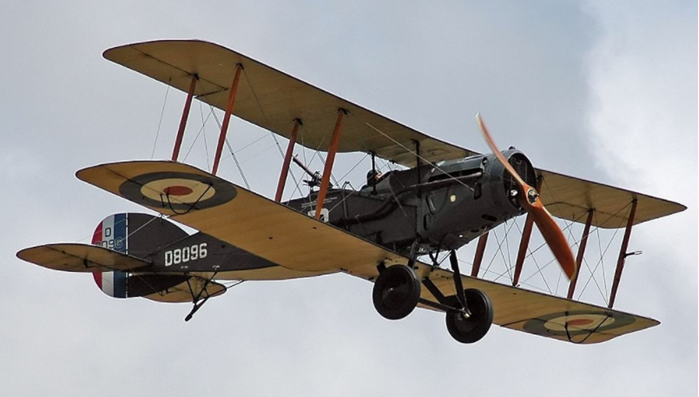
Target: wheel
<point>473,328</point>
<point>396,292</point>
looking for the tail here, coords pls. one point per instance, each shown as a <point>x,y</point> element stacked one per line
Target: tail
<point>141,236</point>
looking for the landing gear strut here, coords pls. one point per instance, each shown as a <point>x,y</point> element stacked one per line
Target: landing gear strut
<point>469,312</point>
<point>472,312</point>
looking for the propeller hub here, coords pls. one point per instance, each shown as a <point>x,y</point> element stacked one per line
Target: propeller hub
<point>532,195</point>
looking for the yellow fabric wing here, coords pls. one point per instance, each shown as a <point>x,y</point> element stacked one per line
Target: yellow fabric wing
<point>72,257</point>
<point>237,216</point>
<point>273,99</point>
<point>540,314</point>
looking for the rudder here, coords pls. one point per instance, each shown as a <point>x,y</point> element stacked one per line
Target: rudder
<point>138,235</point>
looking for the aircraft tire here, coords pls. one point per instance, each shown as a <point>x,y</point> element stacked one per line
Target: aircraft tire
<point>474,328</point>
<point>396,292</point>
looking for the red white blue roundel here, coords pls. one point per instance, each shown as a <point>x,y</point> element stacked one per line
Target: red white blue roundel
<point>577,322</point>
<point>178,191</point>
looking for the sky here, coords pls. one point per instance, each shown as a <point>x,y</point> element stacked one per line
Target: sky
<point>601,90</point>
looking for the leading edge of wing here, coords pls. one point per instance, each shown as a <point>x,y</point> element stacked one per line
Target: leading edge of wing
<point>238,216</point>
<point>272,99</point>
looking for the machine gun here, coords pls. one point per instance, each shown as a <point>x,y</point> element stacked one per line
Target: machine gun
<point>315,176</point>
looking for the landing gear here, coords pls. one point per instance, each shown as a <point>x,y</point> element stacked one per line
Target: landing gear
<point>469,313</point>
<point>396,292</point>
<point>472,326</point>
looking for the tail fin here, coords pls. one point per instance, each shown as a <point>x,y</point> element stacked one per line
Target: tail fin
<point>138,235</point>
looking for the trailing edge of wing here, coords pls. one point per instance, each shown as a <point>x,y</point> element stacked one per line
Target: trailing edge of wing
<point>71,257</point>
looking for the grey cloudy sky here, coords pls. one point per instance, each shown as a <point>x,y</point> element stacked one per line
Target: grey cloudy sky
<point>600,90</point>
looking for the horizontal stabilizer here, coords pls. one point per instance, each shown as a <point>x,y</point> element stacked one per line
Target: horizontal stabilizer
<point>72,257</point>
<point>187,291</point>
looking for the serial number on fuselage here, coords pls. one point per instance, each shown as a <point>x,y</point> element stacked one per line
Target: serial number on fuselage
<point>184,255</point>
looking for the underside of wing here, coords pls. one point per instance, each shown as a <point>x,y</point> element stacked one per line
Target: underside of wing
<point>71,257</point>
<point>536,313</point>
<point>237,216</point>
<point>299,242</point>
<point>571,198</point>
<point>272,100</point>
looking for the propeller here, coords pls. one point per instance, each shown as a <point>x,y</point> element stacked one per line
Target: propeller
<point>532,204</point>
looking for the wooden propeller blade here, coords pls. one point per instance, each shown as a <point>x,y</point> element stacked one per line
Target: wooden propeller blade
<point>554,237</point>
<point>498,154</point>
<point>529,199</point>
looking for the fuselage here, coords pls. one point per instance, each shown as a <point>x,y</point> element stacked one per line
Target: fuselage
<point>442,206</point>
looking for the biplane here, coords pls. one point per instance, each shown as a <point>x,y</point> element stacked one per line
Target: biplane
<point>389,231</point>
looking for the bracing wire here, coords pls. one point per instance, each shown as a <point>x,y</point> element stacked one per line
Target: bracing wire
<point>417,155</point>
<point>196,138</point>
<point>160,122</point>
<point>235,159</point>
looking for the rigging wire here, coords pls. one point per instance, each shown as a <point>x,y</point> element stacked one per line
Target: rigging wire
<point>160,122</point>
<point>262,110</point>
<point>417,155</point>
<point>569,227</point>
<point>603,291</point>
<point>235,159</point>
<point>196,138</point>
<point>355,166</point>
<point>536,263</point>
<point>237,164</point>
<point>507,262</point>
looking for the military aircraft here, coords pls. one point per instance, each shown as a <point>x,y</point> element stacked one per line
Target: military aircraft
<point>447,197</point>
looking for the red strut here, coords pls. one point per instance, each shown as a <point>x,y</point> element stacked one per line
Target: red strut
<point>183,120</point>
<point>287,161</point>
<point>622,253</point>
<point>480,250</point>
<point>332,149</point>
<point>227,117</point>
<point>581,253</point>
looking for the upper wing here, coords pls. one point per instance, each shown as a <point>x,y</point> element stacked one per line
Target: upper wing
<point>272,99</point>
<point>570,198</point>
<point>71,257</point>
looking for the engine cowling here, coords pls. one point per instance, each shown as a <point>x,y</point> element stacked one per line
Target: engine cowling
<point>454,215</point>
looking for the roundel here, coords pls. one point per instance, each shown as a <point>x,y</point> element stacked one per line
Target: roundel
<point>178,191</point>
<point>577,322</point>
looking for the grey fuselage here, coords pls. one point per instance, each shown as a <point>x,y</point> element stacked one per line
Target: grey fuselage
<point>442,206</point>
